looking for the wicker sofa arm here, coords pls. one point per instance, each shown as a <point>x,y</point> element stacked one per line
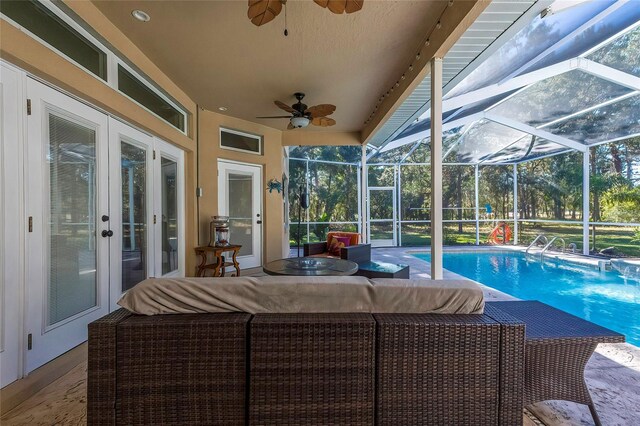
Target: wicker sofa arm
<point>315,248</point>
<point>101,369</point>
<point>512,335</point>
<point>359,253</point>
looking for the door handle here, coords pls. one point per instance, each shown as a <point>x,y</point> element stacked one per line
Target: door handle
<point>259,222</point>
<point>108,233</point>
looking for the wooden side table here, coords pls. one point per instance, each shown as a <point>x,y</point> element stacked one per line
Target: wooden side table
<point>220,263</point>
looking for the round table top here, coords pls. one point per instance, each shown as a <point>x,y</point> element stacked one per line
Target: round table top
<point>311,266</point>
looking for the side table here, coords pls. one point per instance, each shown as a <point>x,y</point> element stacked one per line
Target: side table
<point>220,263</point>
<point>557,348</point>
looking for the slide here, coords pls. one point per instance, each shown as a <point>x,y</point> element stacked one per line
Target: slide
<point>501,234</point>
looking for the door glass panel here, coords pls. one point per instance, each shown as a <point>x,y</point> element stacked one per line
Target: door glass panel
<point>169,215</point>
<point>240,210</point>
<point>71,158</point>
<point>134,214</point>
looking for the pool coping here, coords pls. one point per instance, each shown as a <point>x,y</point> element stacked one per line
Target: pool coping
<point>592,262</point>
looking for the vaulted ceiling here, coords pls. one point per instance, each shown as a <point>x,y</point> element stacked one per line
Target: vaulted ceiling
<point>218,57</point>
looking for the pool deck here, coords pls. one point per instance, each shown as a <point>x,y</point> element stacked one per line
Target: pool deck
<point>612,374</point>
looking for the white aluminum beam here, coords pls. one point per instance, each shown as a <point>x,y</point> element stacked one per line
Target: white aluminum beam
<point>364,190</point>
<point>585,203</point>
<point>477,208</point>
<point>611,74</point>
<point>515,204</point>
<point>513,84</point>
<point>534,131</point>
<point>436,169</point>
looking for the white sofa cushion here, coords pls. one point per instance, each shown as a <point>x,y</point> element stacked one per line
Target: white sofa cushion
<point>284,294</point>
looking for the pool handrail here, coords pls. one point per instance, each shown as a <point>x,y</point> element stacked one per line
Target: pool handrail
<point>550,243</point>
<point>535,240</point>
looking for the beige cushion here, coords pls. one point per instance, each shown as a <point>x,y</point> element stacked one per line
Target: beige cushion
<point>274,294</point>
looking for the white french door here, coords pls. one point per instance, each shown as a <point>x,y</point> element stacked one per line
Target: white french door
<point>240,198</point>
<point>106,210</point>
<point>169,207</point>
<point>67,258</point>
<point>131,208</point>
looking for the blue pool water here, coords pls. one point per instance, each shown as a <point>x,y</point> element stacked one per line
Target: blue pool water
<point>605,298</point>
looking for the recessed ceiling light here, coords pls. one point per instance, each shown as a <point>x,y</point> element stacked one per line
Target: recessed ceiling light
<point>222,108</point>
<point>140,15</point>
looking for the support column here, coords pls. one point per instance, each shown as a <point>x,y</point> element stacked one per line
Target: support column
<point>585,202</point>
<point>436,169</point>
<point>515,204</point>
<point>477,209</point>
<point>364,185</point>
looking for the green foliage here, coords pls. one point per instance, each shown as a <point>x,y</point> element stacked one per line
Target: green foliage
<point>621,203</point>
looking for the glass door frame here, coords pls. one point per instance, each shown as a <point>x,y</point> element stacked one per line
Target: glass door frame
<point>119,133</point>
<point>393,220</point>
<point>165,150</point>
<point>256,259</point>
<point>50,341</point>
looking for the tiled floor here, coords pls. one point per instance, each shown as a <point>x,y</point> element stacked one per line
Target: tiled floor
<point>613,376</point>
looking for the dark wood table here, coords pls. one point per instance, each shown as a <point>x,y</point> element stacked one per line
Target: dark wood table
<point>558,346</point>
<point>311,266</point>
<point>220,262</point>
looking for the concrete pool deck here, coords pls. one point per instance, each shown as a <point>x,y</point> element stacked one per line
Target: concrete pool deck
<point>612,374</point>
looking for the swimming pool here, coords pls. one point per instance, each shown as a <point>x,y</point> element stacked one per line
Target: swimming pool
<point>605,298</point>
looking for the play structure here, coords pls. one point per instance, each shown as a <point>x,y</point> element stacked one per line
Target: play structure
<point>500,234</point>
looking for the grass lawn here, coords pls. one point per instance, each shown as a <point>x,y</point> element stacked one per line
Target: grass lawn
<point>619,237</point>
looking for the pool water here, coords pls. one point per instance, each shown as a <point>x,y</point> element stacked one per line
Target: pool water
<point>605,298</point>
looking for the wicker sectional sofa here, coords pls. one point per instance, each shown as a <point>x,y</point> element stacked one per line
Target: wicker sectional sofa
<point>306,369</point>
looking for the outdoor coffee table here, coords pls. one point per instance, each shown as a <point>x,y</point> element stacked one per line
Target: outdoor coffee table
<point>311,266</point>
<point>558,346</point>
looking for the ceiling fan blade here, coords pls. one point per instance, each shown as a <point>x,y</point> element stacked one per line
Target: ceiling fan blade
<point>321,110</point>
<point>262,11</point>
<point>323,121</point>
<point>290,127</point>
<point>353,6</point>
<point>277,116</point>
<point>340,6</point>
<point>285,107</point>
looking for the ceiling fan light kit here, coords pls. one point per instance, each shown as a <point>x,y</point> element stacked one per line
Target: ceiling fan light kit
<point>299,122</point>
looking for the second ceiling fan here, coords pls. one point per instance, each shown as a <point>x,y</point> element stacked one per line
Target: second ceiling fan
<point>262,11</point>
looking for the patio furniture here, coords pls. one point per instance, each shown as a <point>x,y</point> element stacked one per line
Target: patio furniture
<point>311,266</point>
<point>374,269</point>
<point>558,346</point>
<point>308,368</point>
<point>220,262</point>
<point>321,249</point>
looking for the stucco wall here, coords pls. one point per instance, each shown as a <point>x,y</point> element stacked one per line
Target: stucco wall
<point>32,56</point>
<point>275,236</point>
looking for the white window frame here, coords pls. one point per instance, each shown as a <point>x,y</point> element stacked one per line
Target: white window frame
<point>112,62</point>
<point>118,62</point>
<point>245,134</point>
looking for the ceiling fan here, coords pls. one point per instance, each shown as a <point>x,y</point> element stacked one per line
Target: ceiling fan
<point>301,115</point>
<point>263,11</point>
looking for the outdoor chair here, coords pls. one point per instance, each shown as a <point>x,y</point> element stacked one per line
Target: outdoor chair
<point>354,251</point>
